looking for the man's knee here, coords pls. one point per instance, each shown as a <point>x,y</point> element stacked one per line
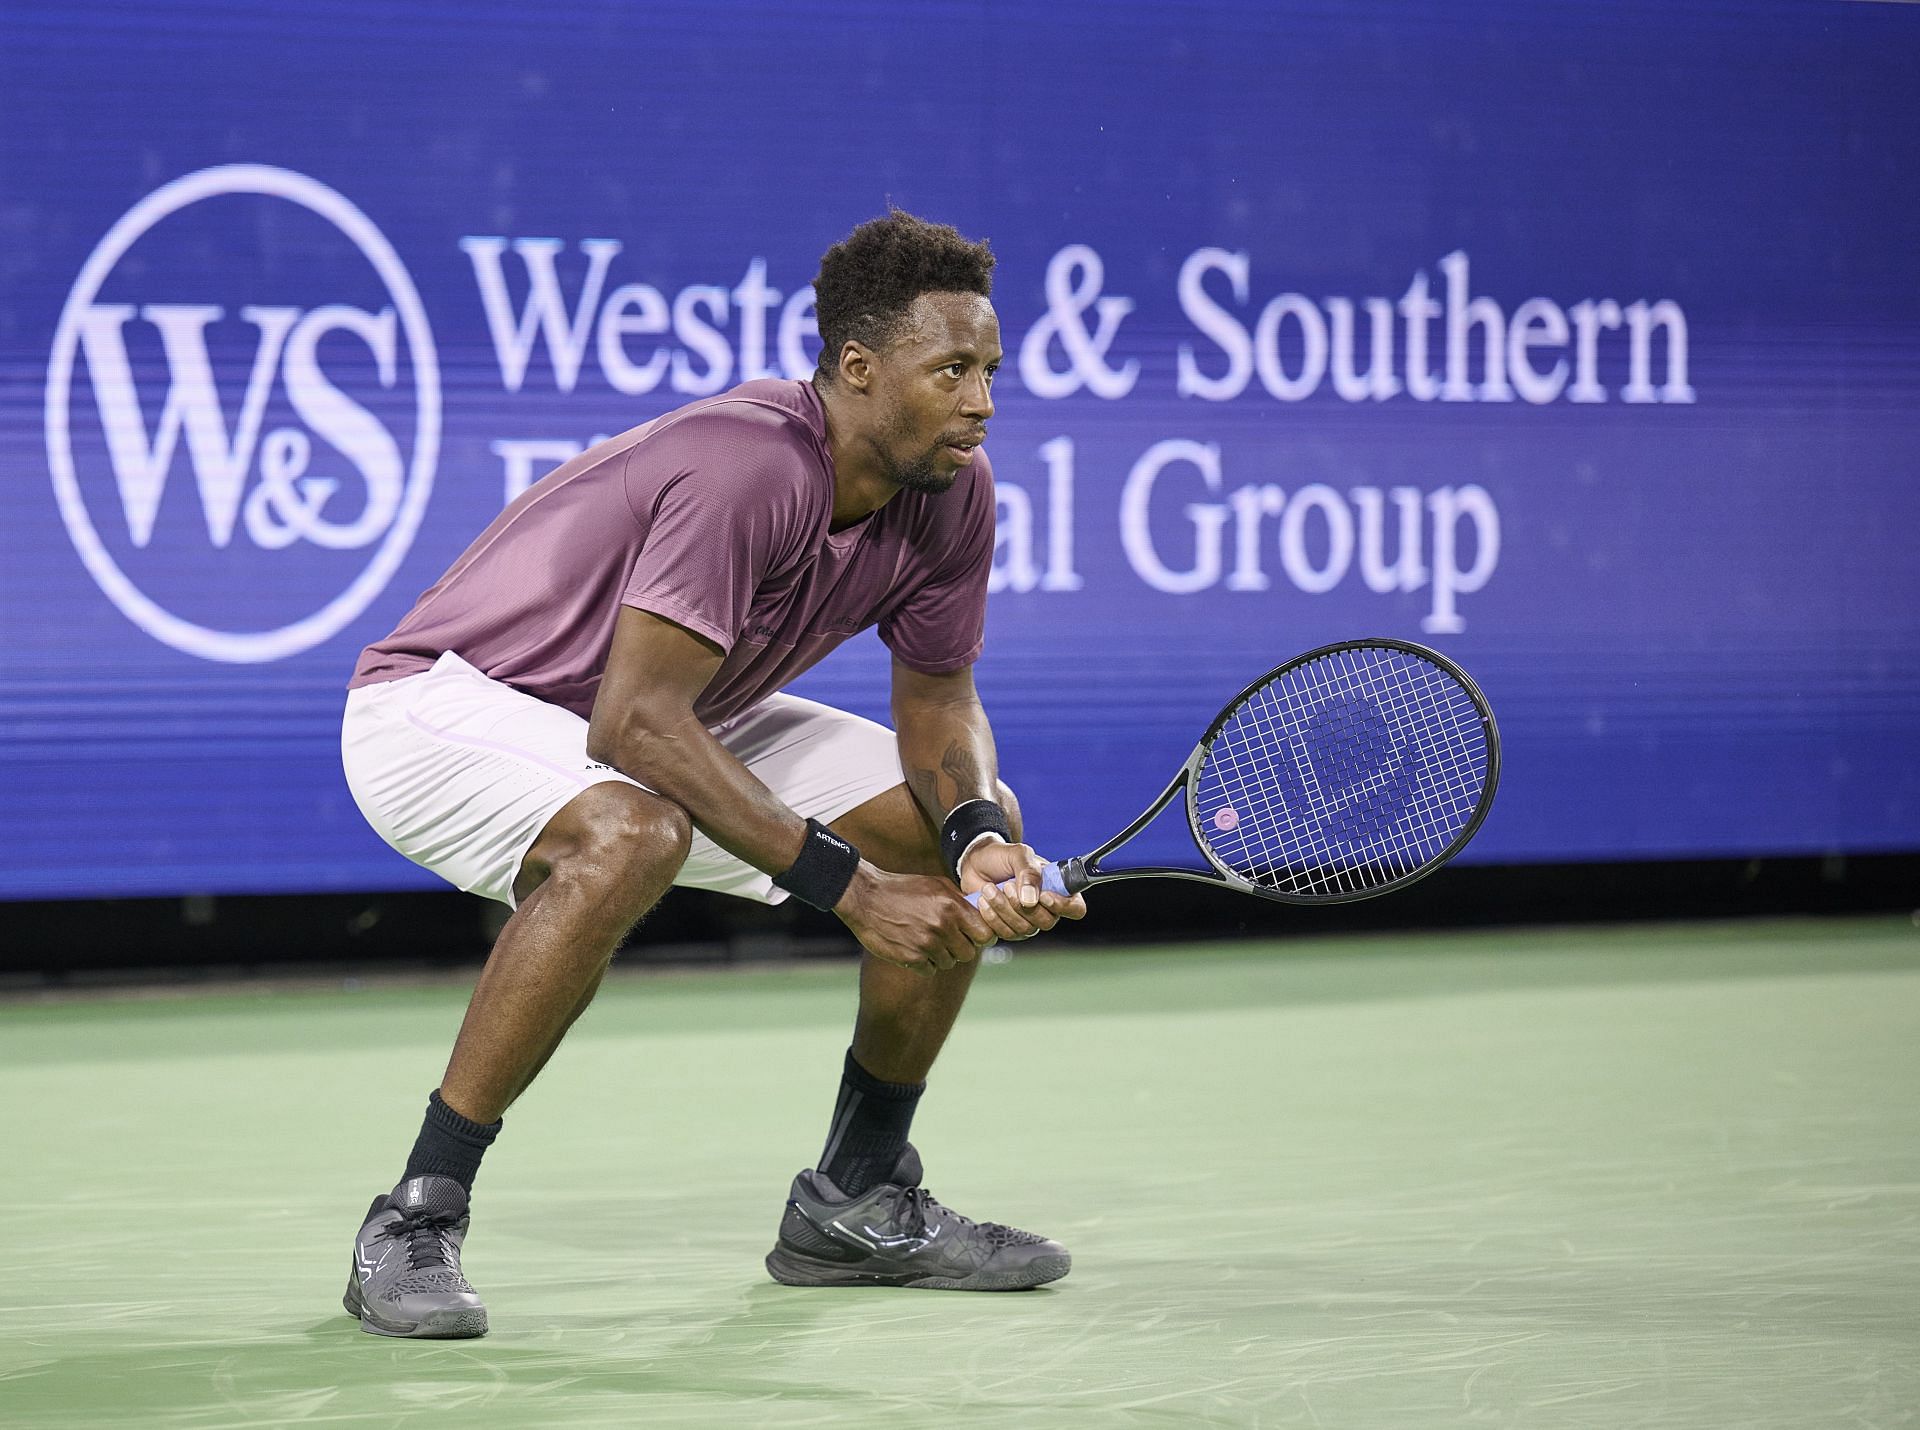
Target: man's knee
<point>640,826</point>
<point>612,835</point>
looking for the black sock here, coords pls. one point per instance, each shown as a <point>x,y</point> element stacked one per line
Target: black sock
<point>449,1145</point>
<point>869,1132</point>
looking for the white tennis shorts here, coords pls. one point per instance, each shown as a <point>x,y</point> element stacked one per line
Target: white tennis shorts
<point>460,773</point>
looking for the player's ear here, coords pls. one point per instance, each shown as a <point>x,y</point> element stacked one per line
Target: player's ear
<point>856,365</point>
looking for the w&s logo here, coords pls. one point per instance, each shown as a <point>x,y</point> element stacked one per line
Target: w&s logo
<point>243,413</point>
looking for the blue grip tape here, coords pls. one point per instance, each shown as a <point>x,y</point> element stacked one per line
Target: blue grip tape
<point>1051,880</point>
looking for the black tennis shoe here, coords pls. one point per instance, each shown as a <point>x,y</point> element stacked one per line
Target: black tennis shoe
<point>406,1277</point>
<point>896,1234</point>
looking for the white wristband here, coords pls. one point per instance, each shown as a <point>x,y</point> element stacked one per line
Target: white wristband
<point>977,841</point>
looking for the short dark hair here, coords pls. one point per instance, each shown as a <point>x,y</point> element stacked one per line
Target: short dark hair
<point>870,278</point>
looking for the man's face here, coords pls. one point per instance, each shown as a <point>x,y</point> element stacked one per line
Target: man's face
<point>934,387</point>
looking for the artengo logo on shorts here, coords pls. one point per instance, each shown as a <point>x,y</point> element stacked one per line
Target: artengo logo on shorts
<point>243,413</point>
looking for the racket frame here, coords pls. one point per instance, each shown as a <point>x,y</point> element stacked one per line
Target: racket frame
<point>1084,870</point>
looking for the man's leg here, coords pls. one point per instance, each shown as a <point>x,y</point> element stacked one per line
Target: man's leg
<point>598,866</point>
<point>861,1218</point>
<point>595,869</point>
<point>904,1016</point>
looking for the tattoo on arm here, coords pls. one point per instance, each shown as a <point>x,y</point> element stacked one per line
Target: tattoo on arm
<point>959,778</point>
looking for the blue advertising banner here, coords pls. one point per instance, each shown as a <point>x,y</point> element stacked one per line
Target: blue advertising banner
<point>1581,342</point>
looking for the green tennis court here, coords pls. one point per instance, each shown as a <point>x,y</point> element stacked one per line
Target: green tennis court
<point>1635,1177</point>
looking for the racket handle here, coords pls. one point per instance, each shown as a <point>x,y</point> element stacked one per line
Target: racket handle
<point>1051,879</point>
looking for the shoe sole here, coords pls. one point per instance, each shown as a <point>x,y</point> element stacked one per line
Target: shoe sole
<point>790,1269</point>
<point>454,1325</point>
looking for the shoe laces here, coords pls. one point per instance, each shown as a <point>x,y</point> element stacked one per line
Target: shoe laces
<point>918,1206</point>
<point>425,1233</point>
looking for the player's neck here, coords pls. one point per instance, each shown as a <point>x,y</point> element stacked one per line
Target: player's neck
<point>860,483</point>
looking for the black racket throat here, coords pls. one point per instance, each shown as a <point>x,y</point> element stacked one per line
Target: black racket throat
<point>1085,871</point>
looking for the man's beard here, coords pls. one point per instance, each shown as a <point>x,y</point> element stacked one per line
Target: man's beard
<point>922,475</point>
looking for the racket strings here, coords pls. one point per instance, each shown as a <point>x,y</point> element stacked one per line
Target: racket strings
<point>1342,775</point>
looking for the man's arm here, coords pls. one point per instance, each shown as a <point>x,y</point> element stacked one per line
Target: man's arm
<point>946,745</point>
<point>644,725</point>
<point>946,749</point>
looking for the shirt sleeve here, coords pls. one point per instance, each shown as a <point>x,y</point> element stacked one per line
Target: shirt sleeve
<point>941,625</point>
<point>717,527</point>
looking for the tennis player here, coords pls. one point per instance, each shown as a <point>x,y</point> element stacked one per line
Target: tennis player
<point>587,709</point>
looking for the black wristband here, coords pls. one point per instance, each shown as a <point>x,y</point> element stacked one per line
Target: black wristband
<point>824,869</point>
<point>967,823</point>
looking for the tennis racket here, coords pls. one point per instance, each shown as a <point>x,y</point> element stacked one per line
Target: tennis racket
<point>1350,771</point>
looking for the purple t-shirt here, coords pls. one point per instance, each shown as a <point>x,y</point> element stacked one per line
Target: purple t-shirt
<point>714,516</point>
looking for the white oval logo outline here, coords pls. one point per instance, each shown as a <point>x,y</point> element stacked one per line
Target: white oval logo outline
<point>244,647</point>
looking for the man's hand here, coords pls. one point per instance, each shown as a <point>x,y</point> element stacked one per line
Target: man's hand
<point>916,922</point>
<point>1025,909</point>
